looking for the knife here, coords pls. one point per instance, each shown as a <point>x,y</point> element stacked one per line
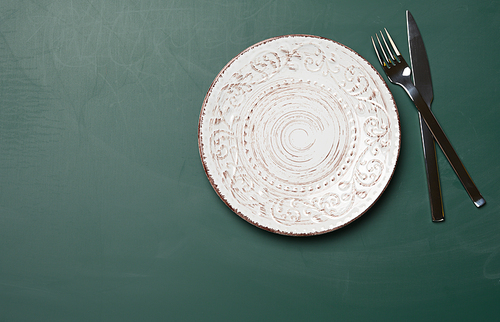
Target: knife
<point>423,82</point>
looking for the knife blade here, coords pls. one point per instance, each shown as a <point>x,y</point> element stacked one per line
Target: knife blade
<point>423,82</point>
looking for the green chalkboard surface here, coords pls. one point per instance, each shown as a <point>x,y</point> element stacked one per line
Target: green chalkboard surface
<point>106,213</point>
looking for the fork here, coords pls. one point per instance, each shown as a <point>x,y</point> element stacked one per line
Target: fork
<point>398,72</point>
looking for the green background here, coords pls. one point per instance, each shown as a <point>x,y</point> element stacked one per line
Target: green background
<point>106,213</point>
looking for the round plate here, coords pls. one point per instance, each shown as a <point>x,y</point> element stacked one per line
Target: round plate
<point>299,135</point>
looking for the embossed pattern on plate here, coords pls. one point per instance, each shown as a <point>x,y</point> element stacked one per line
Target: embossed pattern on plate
<point>299,135</point>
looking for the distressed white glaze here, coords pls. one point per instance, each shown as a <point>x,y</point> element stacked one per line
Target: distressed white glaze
<point>299,135</point>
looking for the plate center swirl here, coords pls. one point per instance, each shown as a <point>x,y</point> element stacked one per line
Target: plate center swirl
<point>300,139</point>
<point>297,132</point>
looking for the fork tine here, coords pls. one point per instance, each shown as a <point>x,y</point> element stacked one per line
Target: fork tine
<point>392,43</point>
<point>386,46</point>
<point>383,52</point>
<point>376,51</point>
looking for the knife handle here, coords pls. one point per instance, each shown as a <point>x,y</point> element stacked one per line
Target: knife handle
<point>444,144</point>
<point>431,170</point>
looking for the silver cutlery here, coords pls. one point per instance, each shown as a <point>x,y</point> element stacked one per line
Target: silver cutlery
<point>423,82</point>
<point>398,72</point>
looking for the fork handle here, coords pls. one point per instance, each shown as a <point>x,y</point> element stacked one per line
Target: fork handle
<point>445,145</point>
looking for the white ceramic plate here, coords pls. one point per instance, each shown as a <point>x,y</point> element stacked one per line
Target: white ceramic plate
<point>299,135</point>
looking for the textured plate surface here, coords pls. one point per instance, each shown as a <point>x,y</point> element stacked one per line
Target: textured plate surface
<point>299,135</point>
